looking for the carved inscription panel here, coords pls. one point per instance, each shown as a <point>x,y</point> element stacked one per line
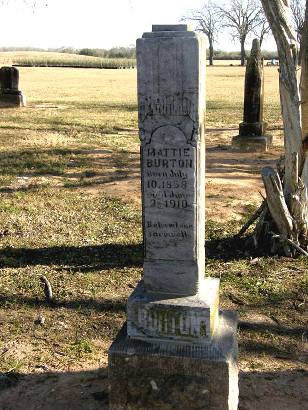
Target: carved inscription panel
<point>170,323</point>
<point>169,195</point>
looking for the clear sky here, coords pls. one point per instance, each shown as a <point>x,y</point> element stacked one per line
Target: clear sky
<point>91,23</point>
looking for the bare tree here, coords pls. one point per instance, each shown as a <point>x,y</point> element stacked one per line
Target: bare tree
<point>241,17</point>
<point>283,223</point>
<point>207,21</point>
<point>31,3</point>
<point>263,30</point>
<point>298,16</point>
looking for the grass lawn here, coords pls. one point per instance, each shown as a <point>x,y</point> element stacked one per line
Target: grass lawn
<point>70,210</point>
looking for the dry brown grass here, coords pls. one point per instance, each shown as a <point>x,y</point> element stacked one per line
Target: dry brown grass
<point>65,161</point>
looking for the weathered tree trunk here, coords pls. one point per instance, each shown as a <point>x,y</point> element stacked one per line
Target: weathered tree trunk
<point>277,14</point>
<point>243,52</point>
<point>211,51</point>
<point>304,91</point>
<point>286,213</point>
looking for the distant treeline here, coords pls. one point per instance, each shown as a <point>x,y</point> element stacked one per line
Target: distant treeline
<point>3,49</point>
<point>236,55</point>
<point>115,52</point>
<point>130,52</point>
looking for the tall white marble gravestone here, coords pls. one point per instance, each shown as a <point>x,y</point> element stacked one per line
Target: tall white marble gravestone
<point>177,349</point>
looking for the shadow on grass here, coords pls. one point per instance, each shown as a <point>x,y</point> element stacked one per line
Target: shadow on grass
<point>104,305</point>
<point>99,105</point>
<point>76,167</point>
<point>33,162</point>
<point>87,168</point>
<point>64,122</point>
<point>233,165</point>
<point>110,255</point>
<point>278,329</point>
<point>219,105</point>
<point>85,390</point>
<point>81,259</point>
<point>271,328</point>
<point>265,348</point>
<point>230,248</point>
<point>234,248</point>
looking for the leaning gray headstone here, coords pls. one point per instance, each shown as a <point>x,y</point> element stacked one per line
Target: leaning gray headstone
<point>177,349</point>
<point>252,131</point>
<point>10,95</point>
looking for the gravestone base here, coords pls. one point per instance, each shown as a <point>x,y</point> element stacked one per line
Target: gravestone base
<point>189,319</point>
<point>252,143</point>
<point>8,100</point>
<point>253,129</point>
<point>147,375</point>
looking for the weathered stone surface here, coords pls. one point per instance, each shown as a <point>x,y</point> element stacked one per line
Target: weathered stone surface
<point>10,96</point>
<point>177,352</point>
<point>253,125</point>
<point>186,319</point>
<point>171,95</point>
<point>145,375</point>
<point>12,100</point>
<point>252,144</point>
<point>170,27</point>
<point>252,129</point>
<point>9,79</point>
<point>254,86</point>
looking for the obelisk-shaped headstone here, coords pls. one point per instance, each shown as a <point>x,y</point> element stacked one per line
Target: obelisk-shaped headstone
<point>171,93</point>
<point>176,344</point>
<point>252,131</point>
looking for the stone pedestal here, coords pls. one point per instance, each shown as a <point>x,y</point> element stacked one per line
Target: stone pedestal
<point>8,100</point>
<point>10,95</point>
<point>252,131</point>
<point>252,143</point>
<point>189,319</point>
<point>145,375</point>
<point>177,350</point>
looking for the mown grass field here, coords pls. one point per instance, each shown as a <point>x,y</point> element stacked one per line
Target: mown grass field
<point>65,214</point>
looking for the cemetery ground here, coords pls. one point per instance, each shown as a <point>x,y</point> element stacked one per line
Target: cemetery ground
<point>70,210</point>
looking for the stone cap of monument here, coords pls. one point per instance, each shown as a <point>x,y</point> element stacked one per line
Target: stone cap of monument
<point>171,27</point>
<point>171,30</point>
<point>256,49</point>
